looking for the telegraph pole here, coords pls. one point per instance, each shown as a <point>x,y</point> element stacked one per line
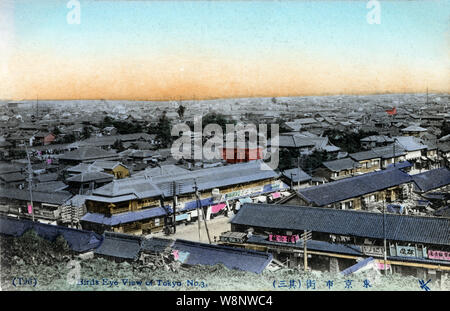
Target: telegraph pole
<point>305,237</point>
<point>198,212</point>
<point>30,180</point>
<point>384,238</point>
<point>203,213</point>
<point>174,203</point>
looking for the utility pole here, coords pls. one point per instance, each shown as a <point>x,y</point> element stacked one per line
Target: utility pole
<point>384,238</point>
<point>30,180</point>
<point>198,212</point>
<point>174,203</point>
<point>305,237</point>
<point>203,213</point>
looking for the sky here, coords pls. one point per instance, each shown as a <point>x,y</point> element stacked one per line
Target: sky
<point>166,50</point>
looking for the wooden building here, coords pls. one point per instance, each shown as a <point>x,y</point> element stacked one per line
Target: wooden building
<point>148,201</point>
<point>340,238</point>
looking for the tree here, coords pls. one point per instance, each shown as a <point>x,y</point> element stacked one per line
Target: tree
<point>86,132</point>
<point>163,131</point>
<point>216,118</point>
<point>347,141</point>
<point>445,130</point>
<point>56,131</point>
<point>69,138</point>
<point>118,146</point>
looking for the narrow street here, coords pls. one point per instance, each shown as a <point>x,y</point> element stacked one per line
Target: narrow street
<point>190,230</point>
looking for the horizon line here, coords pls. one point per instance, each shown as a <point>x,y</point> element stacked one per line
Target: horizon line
<point>231,97</point>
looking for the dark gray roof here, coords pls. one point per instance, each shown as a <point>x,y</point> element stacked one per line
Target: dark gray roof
<point>119,245</point>
<point>445,147</point>
<point>47,177</point>
<point>12,177</point>
<point>377,138</point>
<point>6,168</point>
<point>50,186</point>
<point>231,257</point>
<point>410,143</point>
<point>297,175</point>
<point>91,176</point>
<point>432,179</point>
<point>364,155</point>
<point>140,187</point>
<point>417,229</point>
<point>84,168</point>
<point>351,187</point>
<point>414,128</point>
<point>388,152</point>
<point>341,164</point>
<point>156,245</point>
<point>78,240</point>
<point>88,153</point>
<point>209,178</point>
<point>42,197</point>
<point>109,165</point>
<point>312,245</point>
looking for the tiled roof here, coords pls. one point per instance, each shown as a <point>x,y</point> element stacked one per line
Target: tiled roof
<point>297,175</point>
<point>364,155</point>
<point>12,177</point>
<point>91,176</point>
<point>87,153</point>
<point>347,188</point>
<point>410,143</point>
<point>123,218</point>
<point>432,179</point>
<point>388,152</point>
<point>341,164</point>
<point>119,246</point>
<point>78,240</point>
<point>156,245</point>
<point>231,257</point>
<point>206,179</point>
<point>417,229</point>
<point>107,164</point>
<point>311,244</point>
<point>58,198</point>
<point>414,128</point>
<point>50,186</point>
<point>6,168</point>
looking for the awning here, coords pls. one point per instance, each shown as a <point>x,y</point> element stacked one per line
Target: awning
<point>245,200</point>
<point>217,208</point>
<point>181,217</point>
<point>275,195</point>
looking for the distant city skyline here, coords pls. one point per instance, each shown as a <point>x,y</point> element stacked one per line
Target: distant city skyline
<point>151,50</point>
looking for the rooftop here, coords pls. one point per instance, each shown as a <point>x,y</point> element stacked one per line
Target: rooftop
<point>417,229</point>
<point>341,164</point>
<point>120,246</point>
<point>364,155</point>
<point>432,179</point>
<point>231,257</point>
<point>296,175</point>
<point>87,153</point>
<point>352,187</point>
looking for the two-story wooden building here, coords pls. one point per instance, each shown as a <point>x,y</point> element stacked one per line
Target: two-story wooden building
<point>147,202</point>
